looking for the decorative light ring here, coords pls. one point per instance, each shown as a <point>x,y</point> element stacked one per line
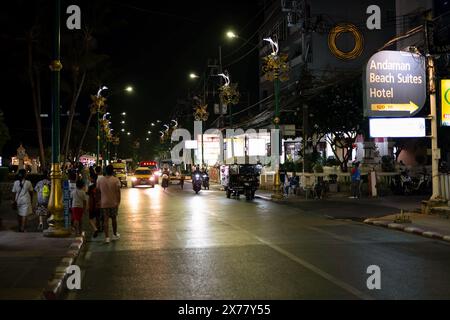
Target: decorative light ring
<point>336,32</point>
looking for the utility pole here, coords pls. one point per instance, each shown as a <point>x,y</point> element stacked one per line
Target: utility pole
<point>221,122</point>
<point>298,16</point>
<point>435,151</point>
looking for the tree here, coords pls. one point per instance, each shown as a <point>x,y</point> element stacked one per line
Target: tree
<point>337,114</point>
<point>35,66</point>
<point>79,61</point>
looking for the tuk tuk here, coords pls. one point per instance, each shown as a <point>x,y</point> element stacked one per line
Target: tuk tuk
<point>120,171</point>
<point>243,180</point>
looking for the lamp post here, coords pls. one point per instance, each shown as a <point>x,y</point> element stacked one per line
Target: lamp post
<point>55,205</point>
<point>276,69</point>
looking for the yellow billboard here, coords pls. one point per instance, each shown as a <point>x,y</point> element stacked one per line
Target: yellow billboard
<point>445,102</point>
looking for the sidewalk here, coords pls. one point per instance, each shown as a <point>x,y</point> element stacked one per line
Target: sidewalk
<point>382,212</point>
<point>340,206</point>
<point>431,226</point>
<point>32,266</point>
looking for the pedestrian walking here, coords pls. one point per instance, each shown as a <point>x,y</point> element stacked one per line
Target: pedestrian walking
<point>286,184</point>
<point>94,205</point>
<point>109,188</point>
<point>99,175</point>
<point>356,181</point>
<point>23,197</point>
<point>79,205</point>
<point>43,188</point>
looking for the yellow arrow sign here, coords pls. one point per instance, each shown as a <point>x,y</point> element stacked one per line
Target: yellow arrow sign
<point>411,107</point>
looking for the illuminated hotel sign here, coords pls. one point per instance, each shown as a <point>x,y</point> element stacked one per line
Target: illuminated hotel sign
<point>395,84</point>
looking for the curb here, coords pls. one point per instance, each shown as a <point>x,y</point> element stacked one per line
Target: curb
<point>412,230</point>
<point>56,285</point>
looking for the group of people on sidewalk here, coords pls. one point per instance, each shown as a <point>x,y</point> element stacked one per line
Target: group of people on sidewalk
<point>101,199</point>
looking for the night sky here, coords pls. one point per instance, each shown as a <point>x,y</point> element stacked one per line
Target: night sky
<point>152,46</point>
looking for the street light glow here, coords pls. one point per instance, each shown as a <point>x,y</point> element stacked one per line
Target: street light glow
<point>128,133</point>
<point>193,76</point>
<point>123,122</point>
<point>129,89</point>
<point>124,113</point>
<point>231,35</point>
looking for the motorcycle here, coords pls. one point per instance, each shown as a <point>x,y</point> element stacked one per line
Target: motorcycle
<point>197,182</point>
<point>402,183</point>
<point>405,185</point>
<point>205,181</point>
<point>165,181</point>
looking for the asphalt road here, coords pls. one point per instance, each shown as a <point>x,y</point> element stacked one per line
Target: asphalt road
<point>178,245</point>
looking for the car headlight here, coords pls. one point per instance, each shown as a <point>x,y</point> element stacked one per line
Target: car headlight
<point>197,176</point>
<point>134,179</point>
<point>152,178</point>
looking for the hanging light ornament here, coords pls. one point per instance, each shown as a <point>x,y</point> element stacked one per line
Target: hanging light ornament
<point>115,140</point>
<point>201,113</point>
<point>98,104</point>
<point>275,65</point>
<point>229,93</point>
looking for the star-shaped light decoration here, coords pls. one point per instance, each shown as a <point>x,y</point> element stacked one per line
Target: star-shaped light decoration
<point>229,93</point>
<point>275,65</point>
<point>98,104</point>
<point>201,113</point>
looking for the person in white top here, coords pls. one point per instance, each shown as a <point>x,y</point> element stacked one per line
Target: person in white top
<point>79,205</point>
<point>23,198</point>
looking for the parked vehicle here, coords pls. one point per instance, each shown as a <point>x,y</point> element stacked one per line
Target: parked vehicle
<point>404,184</point>
<point>243,180</point>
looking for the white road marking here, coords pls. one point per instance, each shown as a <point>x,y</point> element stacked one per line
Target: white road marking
<point>341,284</point>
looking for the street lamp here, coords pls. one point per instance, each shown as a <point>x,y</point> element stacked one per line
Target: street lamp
<point>129,89</point>
<point>193,76</point>
<point>231,35</point>
<point>275,68</point>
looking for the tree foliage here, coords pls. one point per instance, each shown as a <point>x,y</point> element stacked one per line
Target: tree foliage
<point>336,114</point>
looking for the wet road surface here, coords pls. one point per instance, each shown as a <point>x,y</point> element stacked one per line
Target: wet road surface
<point>178,245</point>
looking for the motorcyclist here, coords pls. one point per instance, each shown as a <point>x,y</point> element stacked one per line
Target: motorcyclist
<point>205,178</point>
<point>165,177</point>
<point>196,171</point>
<point>196,179</point>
